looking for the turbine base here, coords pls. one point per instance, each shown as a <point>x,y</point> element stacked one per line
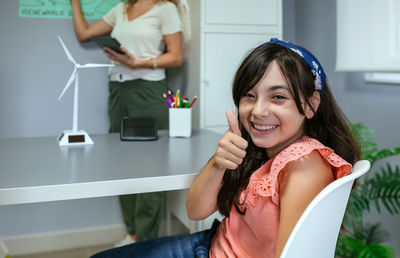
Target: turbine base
<point>73,138</point>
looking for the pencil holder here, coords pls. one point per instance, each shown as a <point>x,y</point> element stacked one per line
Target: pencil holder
<point>180,122</point>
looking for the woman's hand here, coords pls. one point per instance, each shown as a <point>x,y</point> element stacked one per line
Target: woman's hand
<point>232,147</point>
<point>126,58</point>
<point>82,29</point>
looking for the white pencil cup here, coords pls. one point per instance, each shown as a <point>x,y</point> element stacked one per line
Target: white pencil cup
<point>180,122</point>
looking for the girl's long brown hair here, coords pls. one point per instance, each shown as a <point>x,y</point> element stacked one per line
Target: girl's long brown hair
<point>328,125</point>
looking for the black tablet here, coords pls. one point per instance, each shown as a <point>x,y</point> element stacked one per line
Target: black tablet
<point>138,129</point>
<point>107,41</point>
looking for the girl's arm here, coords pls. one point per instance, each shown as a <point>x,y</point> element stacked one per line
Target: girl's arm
<point>82,29</point>
<point>299,183</point>
<point>202,197</point>
<point>171,58</point>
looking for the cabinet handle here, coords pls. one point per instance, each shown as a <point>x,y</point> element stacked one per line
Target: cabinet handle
<point>206,83</point>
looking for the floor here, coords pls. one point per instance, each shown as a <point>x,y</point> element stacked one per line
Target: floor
<point>177,228</point>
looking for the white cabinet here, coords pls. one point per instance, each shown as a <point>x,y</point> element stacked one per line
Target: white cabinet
<point>368,35</point>
<point>222,56</point>
<point>223,32</point>
<point>235,12</point>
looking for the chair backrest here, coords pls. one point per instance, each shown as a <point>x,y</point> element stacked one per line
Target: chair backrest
<point>316,232</point>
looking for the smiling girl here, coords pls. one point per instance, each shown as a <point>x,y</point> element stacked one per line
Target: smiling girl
<point>288,142</point>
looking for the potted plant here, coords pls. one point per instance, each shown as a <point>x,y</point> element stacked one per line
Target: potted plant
<point>379,189</point>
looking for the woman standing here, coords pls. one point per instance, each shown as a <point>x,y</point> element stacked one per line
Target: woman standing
<point>151,40</point>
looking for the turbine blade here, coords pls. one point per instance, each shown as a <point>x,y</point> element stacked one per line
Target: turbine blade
<point>69,56</point>
<point>95,65</point>
<point>71,79</point>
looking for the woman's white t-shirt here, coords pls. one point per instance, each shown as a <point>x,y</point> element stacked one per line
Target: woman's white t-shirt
<point>142,37</point>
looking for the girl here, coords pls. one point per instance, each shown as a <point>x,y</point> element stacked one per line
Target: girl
<point>289,141</point>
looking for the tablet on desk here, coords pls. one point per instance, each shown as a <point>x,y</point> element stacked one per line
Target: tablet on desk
<point>107,41</point>
<point>135,128</point>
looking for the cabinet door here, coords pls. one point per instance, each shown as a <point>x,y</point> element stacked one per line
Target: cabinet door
<point>368,35</point>
<point>223,54</point>
<point>238,12</point>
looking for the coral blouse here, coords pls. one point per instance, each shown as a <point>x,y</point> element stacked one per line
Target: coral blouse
<point>255,233</point>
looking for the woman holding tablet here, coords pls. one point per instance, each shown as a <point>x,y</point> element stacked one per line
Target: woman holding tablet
<point>150,33</point>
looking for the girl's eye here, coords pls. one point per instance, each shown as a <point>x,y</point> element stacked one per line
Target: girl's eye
<point>278,97</point>
<point>248,95</point>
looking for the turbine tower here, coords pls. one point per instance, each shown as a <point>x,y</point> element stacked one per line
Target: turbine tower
<point>75,136</point>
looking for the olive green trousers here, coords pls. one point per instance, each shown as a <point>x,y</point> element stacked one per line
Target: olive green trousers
<point>141,212</point>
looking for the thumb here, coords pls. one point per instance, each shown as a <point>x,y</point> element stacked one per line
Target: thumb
<point>233,122</point>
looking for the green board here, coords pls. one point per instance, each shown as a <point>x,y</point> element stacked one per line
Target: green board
<point>61,9</point>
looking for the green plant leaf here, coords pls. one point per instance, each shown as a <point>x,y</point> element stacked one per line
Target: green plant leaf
<point>365,140</point>
<point>344,246</point>
<point>381,190</point>
<point>384,153</point>
<point>359,203</point>
<point>349,247</point>
<point>384,189</point>
<point>376,251</point>
<point>371,234</point>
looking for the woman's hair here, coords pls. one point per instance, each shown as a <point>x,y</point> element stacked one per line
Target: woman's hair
<point>131,2</point>
<point>328,125</point>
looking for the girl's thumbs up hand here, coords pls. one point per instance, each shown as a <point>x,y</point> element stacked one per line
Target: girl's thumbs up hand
<point>232,147</point>
<point>233,122</point>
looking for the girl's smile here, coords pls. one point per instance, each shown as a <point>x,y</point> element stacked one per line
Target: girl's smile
<point>263,129</point>
<point>269,113</point>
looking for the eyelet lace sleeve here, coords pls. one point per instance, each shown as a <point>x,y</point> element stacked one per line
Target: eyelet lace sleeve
<point>264,181</point>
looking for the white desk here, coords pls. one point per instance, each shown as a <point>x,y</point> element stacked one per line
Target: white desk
<point>38,170</point>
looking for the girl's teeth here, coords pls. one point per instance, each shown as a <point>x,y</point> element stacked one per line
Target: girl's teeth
<point>265,127</point>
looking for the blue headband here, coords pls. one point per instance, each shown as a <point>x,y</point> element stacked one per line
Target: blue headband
<point>311,61</point>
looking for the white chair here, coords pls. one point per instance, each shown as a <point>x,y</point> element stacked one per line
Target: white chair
<point>316,233</point>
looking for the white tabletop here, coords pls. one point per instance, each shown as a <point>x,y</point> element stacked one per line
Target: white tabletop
<point>38,170</point>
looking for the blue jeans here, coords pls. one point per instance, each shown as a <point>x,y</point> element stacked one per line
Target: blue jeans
<point>185,246</point>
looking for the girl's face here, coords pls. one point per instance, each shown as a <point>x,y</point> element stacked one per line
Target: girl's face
<point>269,114</point>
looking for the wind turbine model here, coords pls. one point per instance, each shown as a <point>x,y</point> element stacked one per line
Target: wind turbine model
<point>75,136</point>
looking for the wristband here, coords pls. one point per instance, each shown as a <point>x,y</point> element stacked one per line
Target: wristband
<point>155,65</point>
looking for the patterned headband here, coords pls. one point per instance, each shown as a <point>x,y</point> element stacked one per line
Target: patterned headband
<point>311,61</point>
